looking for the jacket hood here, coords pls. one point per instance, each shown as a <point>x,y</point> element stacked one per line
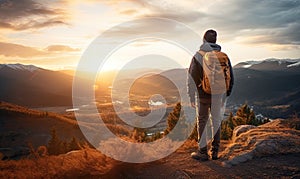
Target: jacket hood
<point>207,47</point>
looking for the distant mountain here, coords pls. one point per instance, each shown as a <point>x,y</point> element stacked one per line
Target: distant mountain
<point>32,86</point>
<point>271,85</point>
<point>162,83</point>
<point>19,66</point>
<point>272,64</point>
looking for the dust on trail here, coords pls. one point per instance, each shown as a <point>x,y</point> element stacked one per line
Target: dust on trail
<point>274,150</point>
<point>181,165</point>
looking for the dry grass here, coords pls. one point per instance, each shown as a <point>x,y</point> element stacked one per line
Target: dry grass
<point>273,138</point>
<point>20,110</point>
<point>82,163</point>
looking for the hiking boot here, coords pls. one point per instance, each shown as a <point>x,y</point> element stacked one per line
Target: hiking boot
<point>198,155</point>
<point>214,155</point>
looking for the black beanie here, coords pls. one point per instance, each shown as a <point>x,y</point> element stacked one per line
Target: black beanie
<point>210,36</point>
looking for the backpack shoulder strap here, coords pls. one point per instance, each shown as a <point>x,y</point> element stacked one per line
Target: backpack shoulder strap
<point>202,53</point>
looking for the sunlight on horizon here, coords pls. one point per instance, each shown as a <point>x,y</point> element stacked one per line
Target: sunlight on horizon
<point>75,24</point>
<point>147,54</point>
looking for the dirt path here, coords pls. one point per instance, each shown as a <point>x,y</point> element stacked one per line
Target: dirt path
<point>180,165</point>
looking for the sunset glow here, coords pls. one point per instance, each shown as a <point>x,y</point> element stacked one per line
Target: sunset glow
<point>54,34</point>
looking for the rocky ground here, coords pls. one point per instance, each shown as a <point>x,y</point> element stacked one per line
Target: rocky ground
<point>180,165</point>
<point>268,151</point>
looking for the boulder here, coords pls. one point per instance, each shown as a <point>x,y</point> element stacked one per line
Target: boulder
<point>241,129</point>
<point>273,138</point>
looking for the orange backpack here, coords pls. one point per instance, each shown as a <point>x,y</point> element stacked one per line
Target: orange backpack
<point>216,72</point>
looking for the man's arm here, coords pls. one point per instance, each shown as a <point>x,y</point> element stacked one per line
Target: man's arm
<point>231,80</point>
<point>194,76</point>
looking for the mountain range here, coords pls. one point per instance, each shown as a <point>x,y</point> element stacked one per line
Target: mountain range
<point>270,86</point>
<point>32,86</point>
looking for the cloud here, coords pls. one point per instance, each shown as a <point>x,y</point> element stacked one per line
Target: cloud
<point>280,36</point>
<point>185,17</point>
<point>173,10</point>
<point>117,2</point>
<point>264,14</point>
<point>16,50</point>
<point>266,22</point>
<point>129,12</point>
<point>61,48</point>
<point>28,14</point>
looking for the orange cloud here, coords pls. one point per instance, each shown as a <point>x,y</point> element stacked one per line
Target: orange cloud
<point>59,48</point>
<point>16,50</point>
<point>129,12</point>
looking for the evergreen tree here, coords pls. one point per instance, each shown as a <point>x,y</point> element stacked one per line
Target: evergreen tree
<point>194,135</point>
<point>226,131</point>
<point>173,118</point>
<point>63,147</point>
<point>244,115</point>
<point>73,144</point>
<point>139,134</point>
<point>230,121</point>
<point>54,144</point>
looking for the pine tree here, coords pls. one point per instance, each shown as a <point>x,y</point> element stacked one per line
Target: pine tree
<point>175,118</point>
<point>194,135</point>
<point>244,115</point>
<point>139,134</point>
<point>54,144</point>
<point>252,119</point>
<point>63,147</point>
<point>73,144</point>
<point>230,121</point>
<point>226,131</point>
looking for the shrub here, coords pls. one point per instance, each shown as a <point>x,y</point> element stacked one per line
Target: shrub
<point>244,115</point>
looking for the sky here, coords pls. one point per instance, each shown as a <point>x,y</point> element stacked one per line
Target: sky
<point>54,34</point>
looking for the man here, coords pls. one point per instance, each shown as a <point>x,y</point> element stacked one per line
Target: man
<point>208,103</point>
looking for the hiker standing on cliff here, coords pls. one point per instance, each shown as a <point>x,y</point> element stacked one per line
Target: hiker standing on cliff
<point>211,72</point>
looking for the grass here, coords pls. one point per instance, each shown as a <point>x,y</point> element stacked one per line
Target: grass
<point>81,163</point>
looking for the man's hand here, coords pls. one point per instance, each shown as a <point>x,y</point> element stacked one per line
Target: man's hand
<point>193,104</point>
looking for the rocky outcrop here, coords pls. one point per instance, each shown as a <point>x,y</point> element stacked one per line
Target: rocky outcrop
<point>241,129</point>
<point>273,138</point>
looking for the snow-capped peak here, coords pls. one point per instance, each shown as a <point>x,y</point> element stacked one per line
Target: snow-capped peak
<point>294,64</point>
<point>248,64</point>
<point>288,62</point>
<point>18,66</point>
<point>283,61</point>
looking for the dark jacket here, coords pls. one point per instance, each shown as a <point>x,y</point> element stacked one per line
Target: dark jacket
<point>196,73</point>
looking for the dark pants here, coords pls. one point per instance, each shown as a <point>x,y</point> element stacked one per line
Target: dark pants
<point>210,129</point>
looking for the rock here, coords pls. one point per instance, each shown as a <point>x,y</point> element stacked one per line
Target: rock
<point>241,158</point>
<point>241,129</point>
<point>273,138</point>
